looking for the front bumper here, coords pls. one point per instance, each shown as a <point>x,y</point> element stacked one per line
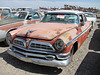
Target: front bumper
<point>53,63</point>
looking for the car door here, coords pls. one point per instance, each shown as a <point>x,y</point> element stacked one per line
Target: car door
<point>82,28</point>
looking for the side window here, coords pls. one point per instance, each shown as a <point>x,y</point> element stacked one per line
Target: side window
<point>81,18</point>
<point>36,16</point>
<point>5,12</point>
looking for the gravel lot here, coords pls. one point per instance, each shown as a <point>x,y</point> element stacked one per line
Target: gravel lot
<point>86,60</point>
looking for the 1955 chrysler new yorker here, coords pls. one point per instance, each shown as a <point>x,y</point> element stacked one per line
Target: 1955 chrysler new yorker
<point>53,41</point>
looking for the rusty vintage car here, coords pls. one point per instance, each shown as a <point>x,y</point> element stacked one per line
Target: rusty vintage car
<point>4,11</point>
<point>17,20</point>
<point>53,41</point>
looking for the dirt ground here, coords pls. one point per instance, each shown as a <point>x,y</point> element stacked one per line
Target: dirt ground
<point>86,61</point>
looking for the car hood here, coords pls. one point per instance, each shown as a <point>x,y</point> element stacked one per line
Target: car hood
<point>45,30</point>
<point>8,21</point>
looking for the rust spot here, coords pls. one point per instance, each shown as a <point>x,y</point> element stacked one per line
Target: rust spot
<point>70,38</point>
<point>79,30</point>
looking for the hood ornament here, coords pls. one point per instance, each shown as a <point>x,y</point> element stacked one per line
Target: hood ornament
<point>29,31</point>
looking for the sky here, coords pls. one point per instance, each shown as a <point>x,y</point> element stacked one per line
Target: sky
<point>35,4</point>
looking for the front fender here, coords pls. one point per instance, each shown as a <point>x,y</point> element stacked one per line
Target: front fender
<point>11,29</point>
<point>66,37</point>
<point>68,40</point>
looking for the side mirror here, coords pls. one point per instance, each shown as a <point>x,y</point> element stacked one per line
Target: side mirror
<point>82,23</point>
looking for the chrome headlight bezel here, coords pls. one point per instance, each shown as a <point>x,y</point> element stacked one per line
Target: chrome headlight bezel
<point>59,45</point>
<point>8,38</point>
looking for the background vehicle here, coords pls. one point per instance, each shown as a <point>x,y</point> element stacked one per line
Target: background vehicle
<point>4,11</point>
<point>91,17</point>
<point>17,20</point>
<point>53,41</point>
<point>25,9</point>
<point>98,15</point>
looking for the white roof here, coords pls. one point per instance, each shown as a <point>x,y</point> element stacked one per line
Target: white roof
<point>66,11</point>
<point>88,12</point>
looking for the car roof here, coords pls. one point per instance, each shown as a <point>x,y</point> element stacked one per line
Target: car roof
<point>4,7</point>
<point>25,11</point>
<point>88,12</point>
<point>66,11</point>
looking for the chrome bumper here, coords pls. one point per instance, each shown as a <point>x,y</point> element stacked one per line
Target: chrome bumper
<point>53,63</point>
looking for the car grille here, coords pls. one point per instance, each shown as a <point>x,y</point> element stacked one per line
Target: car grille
<point>19,42</point>
<point>41,46</point>
<point>32,53</point>
<point>36,49</point>
<point>34,45</point>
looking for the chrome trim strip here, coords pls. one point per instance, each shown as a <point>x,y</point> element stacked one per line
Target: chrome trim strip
<point>36,51</point>
<point>41,49</point>
<point>30,50</point>
<point>20,40</point>
<point>42,43</point>
<point>29,54</point>
<point>54,63</point>
<point>78,36</point>
<point>59,56</point>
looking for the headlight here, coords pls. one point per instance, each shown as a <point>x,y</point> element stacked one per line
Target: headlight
<point>59,45</point>
<point>8,38</point>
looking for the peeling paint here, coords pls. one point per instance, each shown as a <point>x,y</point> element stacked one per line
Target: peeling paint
<point>46,30</point>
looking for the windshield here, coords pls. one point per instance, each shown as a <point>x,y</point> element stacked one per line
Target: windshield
<point>62,18</point>
<point>16,15</point>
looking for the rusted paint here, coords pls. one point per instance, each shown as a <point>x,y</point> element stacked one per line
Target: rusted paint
<point>46,30</point>
<point>14,25</point>
<point>10,26</point>
<point>33,22</point>
<point>70,38</point>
